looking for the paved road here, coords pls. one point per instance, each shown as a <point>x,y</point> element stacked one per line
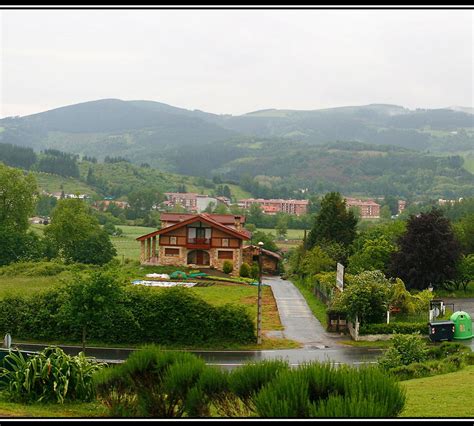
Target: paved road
<point>466,305</point>
<point>296,316</point>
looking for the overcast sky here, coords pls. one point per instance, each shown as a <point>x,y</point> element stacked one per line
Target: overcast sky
<point>236,61</point>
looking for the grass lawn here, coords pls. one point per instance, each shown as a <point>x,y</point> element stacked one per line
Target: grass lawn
<point>221,294</point>
<point>52,183</point>
<point>68,409</point>
<point>318,308</point>
<point>446,395</point>
<point>21,285</point>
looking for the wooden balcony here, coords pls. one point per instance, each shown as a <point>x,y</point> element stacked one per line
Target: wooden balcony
<point>198,243</point>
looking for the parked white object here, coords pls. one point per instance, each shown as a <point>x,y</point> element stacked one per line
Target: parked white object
<point>162,283</point>
<point>164,276</point>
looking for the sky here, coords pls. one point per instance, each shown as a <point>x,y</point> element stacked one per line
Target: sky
<point>236,61</point>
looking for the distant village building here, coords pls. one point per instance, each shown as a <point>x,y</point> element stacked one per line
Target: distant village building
<point>443,202</point>
<point>196,240</point>
<point>60,195</point>
<point>273,206</point>
<point>37,220</point>
<point>193,202</point>
<point>368,209</point>
<point>401,205</point>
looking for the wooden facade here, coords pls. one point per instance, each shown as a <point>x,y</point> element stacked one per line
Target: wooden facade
<point>197,241</point>
<point>270,259</point>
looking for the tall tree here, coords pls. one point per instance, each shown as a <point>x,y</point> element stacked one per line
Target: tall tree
<point>428,251</point>
<point>18,194</point>
<point>333,223</point>
<point>17,201</point>
<point>77,235</point>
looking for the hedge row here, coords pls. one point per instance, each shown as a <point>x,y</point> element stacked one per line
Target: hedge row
<point>396,327</point>
<point>169,316</point>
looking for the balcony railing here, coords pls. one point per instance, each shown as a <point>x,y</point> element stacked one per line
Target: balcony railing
<point>203,243</point>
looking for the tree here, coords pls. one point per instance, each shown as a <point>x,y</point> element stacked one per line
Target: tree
<point>142,200</point>
<point>255,214</point>
<point>77,235</point>
<point>18,194</point>
<point>282,226</point>
<point>221,208</point>
<point>465,271</point>
<point>366,297</point>
<point>92,299</point>
<point>333,223</point>
<point>385,212</point>
<point>392,203</point>
<point>465,233</point>
<point>17,201</point>
<point>374,255</point>
<point>428,251</point>
<point>268,240</point>
<point>315,261</point>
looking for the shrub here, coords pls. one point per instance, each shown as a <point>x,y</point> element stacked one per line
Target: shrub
<point>155,383</point>
<point>48,376</point>
<point>227,267</point>
<point>322,390</point>
<point>254,271</point>
<point>405,349</point>
<point>244,270</point>
<point>395,327</point>
<point>33,269</point>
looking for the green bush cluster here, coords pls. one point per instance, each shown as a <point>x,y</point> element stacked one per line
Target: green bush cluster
<point>394,327</point>
<point>49,376</point>
<point>227,267</point>
<point>244,270</point>
<point>33,269</point>
<point>153,383</point>
<point>409,357</point>
<point>142,315</point>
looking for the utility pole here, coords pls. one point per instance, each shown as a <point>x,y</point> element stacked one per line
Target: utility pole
<point>259,299</point>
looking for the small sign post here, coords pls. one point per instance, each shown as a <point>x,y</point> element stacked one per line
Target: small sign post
<point>340,277</point>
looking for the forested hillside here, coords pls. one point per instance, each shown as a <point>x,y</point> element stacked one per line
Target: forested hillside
<point>371,150</point>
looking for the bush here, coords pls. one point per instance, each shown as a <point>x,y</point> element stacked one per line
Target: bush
<point>155,383</point>
<point>405,349</point>
<point>395,327</point>
<point>49,376</point>
<point>33,269</point>
<point>244,270</point>
<point>322,390</point>
<point>227,267</point>
<point>174,316</point>
<point>254,271</point>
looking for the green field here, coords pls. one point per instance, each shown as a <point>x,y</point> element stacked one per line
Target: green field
<point>446,395</point>
<point>126,245</point>
<point>292,234</point>
<point>52,183</point>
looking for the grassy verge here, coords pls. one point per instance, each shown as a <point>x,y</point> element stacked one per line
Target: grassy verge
<point>318,308</point>
<point>446,395</point>
<point>69,409</point>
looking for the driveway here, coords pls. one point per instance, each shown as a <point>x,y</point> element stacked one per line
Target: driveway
<point>296,316</point>
<point>466,305</point>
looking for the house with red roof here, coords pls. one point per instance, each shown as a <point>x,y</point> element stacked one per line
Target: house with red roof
<point>195,240</point>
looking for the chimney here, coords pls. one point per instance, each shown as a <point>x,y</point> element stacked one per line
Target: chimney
<point>237,224</point>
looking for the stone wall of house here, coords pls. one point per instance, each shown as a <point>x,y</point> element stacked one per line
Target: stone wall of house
<point>172,260</point>
<point>219,263</point>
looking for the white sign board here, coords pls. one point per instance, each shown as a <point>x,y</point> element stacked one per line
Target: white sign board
<point>340,277</point>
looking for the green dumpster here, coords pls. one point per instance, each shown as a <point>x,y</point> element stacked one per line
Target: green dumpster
<point>462,325</point>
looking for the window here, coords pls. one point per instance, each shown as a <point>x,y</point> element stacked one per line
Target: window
<point>171,252</point>
<point>173,241</point>
<point>225,242</point>
<point>225,254</point>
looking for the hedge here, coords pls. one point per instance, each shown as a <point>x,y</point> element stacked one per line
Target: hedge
<point>396,327</point>
<point>168,317</point>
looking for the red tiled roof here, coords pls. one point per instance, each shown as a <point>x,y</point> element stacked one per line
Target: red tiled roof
<point>267,252</point>
<point>224,219</point>
<point>244,235</point>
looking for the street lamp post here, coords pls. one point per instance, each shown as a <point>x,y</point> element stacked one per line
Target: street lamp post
<point>259,299</point>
